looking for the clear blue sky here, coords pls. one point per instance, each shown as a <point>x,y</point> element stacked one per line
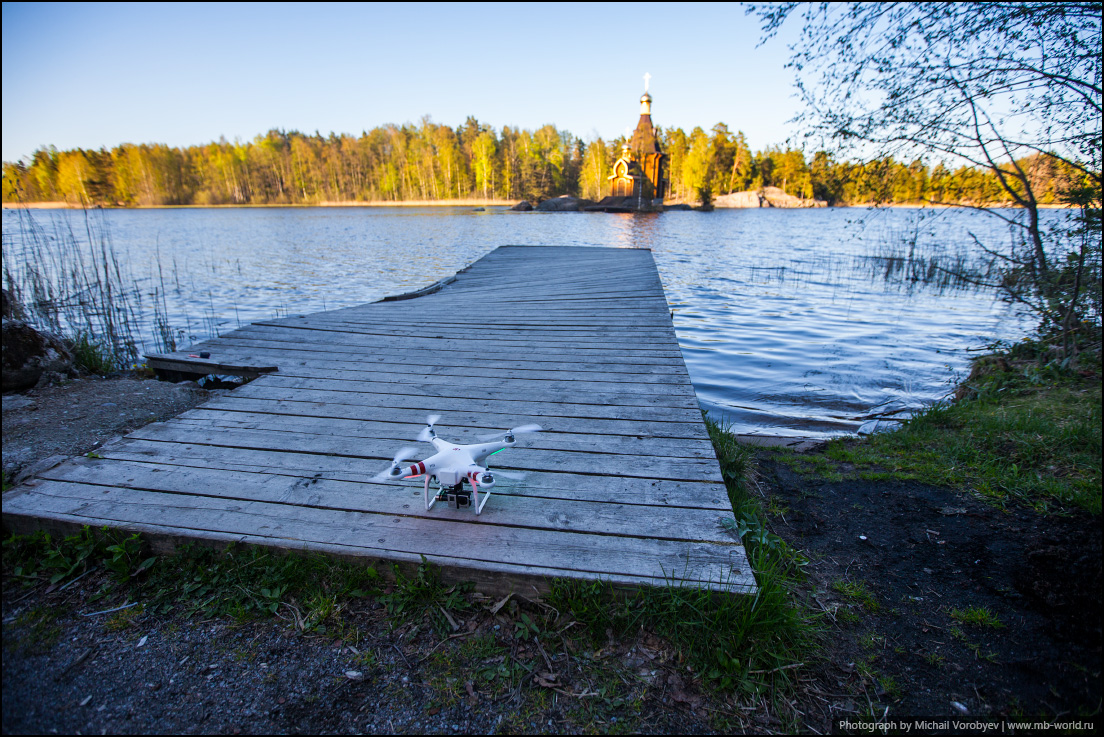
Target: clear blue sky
<point>93,75</point>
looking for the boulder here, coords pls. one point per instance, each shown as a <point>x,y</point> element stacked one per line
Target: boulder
<point>778,198</point>
<point>564,203</point>
<point>522,206</point>
<point>29,354</point>
<point>751,198</point>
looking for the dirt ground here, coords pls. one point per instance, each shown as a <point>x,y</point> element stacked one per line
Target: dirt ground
<point>895,569</point>
<point>892,562</point>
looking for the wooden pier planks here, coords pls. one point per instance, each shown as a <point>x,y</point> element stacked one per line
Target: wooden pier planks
<point>623,485</point>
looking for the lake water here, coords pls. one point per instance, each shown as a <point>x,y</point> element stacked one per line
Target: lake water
<point>785,323</point>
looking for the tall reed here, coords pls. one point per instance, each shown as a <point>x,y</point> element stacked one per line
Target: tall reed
<point>75,284</point>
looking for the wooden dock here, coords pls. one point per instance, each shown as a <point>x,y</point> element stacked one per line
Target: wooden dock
<point>623,485</point>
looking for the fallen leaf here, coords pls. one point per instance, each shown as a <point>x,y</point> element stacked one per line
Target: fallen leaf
<point>498,605</point>
<point>546,679</point>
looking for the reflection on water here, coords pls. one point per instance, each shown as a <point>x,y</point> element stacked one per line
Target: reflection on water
<point>786,325</point>
<point>635,229</point>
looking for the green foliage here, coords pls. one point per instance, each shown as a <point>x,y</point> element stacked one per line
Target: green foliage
<point>525,628</point>
<point>881,79</point>
<point>307,590</point>
<point>126,558</point>
<point>435,162</point>
<point>423,594</point>
<point>92,355</point>
<point>42,557</point>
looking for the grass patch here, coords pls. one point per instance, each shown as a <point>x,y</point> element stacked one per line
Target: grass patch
<point>858,593</point>
<point>1019,431</point>
<point>977,616</point>
<point>92,355</point>
<point>748,644</point>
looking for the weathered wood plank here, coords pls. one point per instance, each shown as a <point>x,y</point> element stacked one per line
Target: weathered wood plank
<point>289,358</point>
<point>532,392</point>
<point>404,434</point>
<point>629,350</point>
<point>604,518</point>
<point>479,379</point>
<point>381,451</point>
<point>415,416</point>
<point>430,536</point>
<point>473,354</point>
<point>563,338</point>
<point>541,484</point>
<point>528,409</point>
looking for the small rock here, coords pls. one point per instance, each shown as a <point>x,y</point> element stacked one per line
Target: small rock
<point>17,402</point>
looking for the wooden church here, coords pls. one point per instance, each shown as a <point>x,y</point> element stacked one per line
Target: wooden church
<point>639,181</point>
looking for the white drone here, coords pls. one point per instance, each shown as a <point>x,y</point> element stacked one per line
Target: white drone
<point>453,464</point>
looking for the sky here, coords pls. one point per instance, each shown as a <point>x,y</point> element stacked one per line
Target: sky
<point>94,75</point>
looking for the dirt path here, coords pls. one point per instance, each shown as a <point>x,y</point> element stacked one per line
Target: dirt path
<point>47,425</point>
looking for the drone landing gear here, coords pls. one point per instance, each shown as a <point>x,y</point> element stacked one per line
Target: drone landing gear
<point>457,497</point>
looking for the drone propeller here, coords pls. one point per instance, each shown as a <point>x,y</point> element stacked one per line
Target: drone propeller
<point>403,455</point>
<point>516,431</point>
<point>427,432</point>
<point>515,475</point>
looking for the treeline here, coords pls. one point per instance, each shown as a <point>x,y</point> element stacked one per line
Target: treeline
<point>436,162</point>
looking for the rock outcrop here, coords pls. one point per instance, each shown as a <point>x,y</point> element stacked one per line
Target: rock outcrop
<point>765,197</point>
<point>29,354</point>
<point>522,206</point>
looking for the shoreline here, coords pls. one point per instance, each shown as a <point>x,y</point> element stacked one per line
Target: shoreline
<point>355,203</point>
<point>484,203</point>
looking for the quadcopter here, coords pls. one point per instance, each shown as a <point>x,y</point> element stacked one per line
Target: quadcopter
<point>454,464</point>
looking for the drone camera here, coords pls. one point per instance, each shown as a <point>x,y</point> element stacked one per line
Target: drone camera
<point>457,497</point>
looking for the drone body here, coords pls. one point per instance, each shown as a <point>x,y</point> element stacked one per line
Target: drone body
<point>453,465</point>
